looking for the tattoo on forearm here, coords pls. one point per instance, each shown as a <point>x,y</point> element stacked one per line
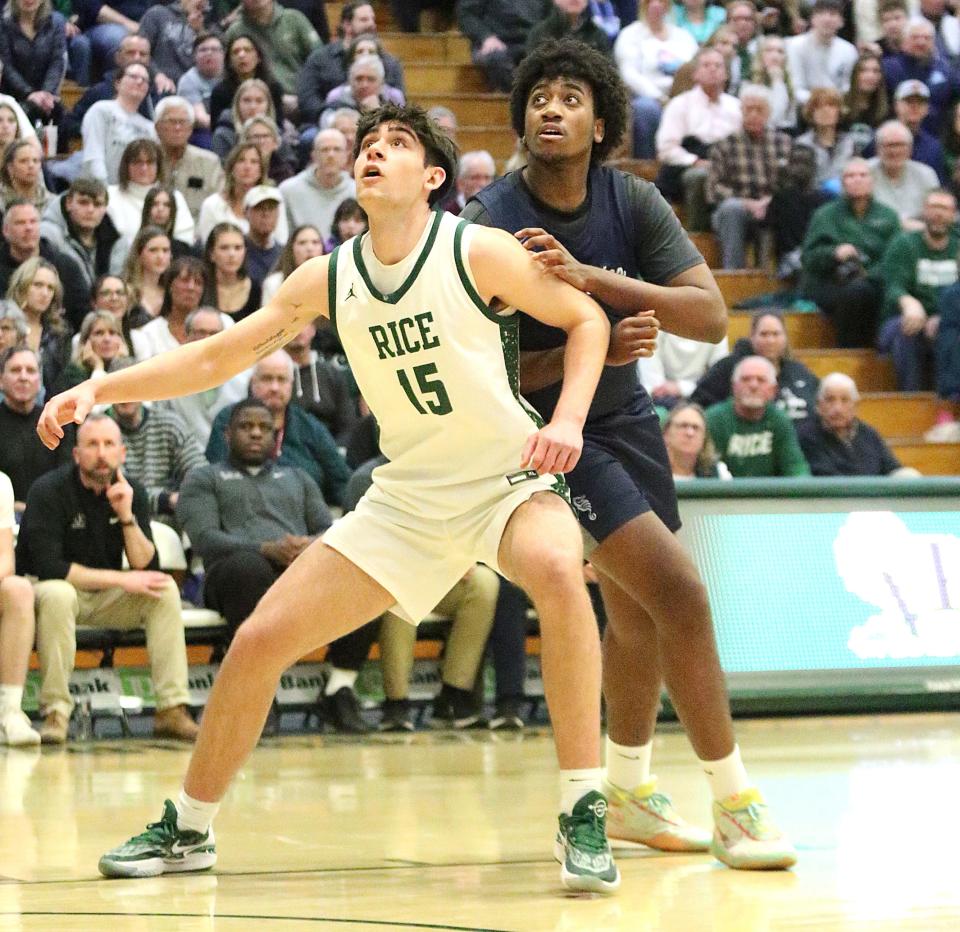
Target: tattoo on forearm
<point>281,338</point>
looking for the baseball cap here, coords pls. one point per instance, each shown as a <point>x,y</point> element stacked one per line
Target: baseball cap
<point>912,88</point>
<point>264,192</point>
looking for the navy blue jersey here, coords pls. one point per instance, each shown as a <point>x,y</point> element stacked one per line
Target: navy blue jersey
<point>623,225</point>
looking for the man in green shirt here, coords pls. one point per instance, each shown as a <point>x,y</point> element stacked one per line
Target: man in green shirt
<point>917,266</point>
<point>754,438</point>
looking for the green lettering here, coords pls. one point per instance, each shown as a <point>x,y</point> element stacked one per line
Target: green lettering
<point>408,345</point>
<point>382,342</point>
<point>428,340</point>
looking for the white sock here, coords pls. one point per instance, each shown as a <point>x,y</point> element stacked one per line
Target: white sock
<point>577,783</point>
<point>726,776</point>
<point>338,679</point>
<point>628,767</point>
<point>10,699</point>
<point>193,814</point>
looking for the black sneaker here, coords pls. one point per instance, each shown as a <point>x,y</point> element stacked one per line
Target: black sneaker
<point>397,715</point>
<point>342,711</point>
<point>455,708</point>
<point>509,714</point>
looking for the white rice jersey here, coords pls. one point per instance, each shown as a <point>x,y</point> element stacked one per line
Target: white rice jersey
<point>439,370</point>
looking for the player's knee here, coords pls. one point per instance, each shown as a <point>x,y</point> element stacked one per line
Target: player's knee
<point>555,569</point>
<point>16,592</point>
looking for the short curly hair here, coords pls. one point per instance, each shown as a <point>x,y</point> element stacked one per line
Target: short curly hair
<point>570,58</point>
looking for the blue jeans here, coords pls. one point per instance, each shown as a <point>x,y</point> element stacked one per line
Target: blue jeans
<point>104,40</point>
<point>912,356</point>
<point>646,119</point>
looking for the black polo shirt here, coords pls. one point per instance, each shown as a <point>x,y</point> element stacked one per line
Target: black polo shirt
<point>67,523</point>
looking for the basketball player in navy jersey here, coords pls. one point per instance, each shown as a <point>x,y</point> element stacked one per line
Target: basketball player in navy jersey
<point>612,235</point>
<point>422,305</point>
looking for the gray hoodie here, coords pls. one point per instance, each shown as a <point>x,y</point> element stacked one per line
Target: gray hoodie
<point>55,227</point>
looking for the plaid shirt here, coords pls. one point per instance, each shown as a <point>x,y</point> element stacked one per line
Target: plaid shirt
<point>741,166</point>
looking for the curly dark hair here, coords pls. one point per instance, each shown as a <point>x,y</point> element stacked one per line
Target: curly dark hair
<point>570,58</point>
<point>439,149</point>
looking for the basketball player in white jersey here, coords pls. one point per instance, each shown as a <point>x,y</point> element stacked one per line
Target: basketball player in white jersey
<point>469,478</point>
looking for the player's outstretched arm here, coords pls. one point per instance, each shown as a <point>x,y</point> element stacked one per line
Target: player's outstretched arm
<point>504,271</point>
<point>196,367</point>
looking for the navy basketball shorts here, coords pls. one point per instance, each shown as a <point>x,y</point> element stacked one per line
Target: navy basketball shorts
<point>623,471</point>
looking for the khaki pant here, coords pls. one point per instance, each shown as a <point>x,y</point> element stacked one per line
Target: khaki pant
<point>471,603</point>
<point>61,607</point>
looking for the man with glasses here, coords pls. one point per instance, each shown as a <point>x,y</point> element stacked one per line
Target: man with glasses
<point>194,172</point>
<point>899,181</point>
<point>198,83</point>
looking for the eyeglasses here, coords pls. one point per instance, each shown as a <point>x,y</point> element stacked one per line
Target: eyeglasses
<point>260,137</point>
<point>175,121</point>
<point>114,293</point>
<point>138,78</point>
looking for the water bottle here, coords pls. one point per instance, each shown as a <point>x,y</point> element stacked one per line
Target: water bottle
<point>84,720</point>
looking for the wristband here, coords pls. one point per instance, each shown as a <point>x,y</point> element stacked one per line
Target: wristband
<point>129,523</point>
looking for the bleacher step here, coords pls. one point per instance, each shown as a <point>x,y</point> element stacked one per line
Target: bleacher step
<point>739,284</point>
<point>898,414</point>
<point>871,372</point>
<point>932,459</point>
<point>472,109</point>
<point>450,47</point>
<point>442,77</point>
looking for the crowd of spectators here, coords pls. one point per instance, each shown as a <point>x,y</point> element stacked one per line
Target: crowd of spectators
<point>207,157</point>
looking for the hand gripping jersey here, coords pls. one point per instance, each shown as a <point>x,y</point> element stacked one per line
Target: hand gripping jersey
<point>439,370</point>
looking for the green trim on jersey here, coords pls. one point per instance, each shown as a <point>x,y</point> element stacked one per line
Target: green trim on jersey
<point>465,279</point>
<point>414,272</point>
<point>332,289</point>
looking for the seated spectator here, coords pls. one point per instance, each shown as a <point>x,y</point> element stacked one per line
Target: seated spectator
<point>911,102</point>
<point>22,241</point>
<point>100,346</point>
<point>141,168</point>
<point>444,117</point>
<point>183,286</point>
<point>947,358</point>
<point>476,170</point>
<point>918,60</point>
<point>743,18</point>
<point>35,288</point>
<point>795,199</point>
<point>724,40</point>
<point>13,325</point>
<point>349,220</point>
<point>110,125</point>
<point>79,522</point>
<point>16,632</point>
<point>244,169</point>
<point>14,123</point>
<point>147,262</point>
<point>470,606</point>
<point>21,175</point>
<point>22,458</point>
<point>700,20</point>
<point>193,172</point>
<point>672,372</point>
<point>866,101</point>
<point>741,178</point>
<point>244,60</point>
<point>198,411</point>
<point>571,19</point>
<point>263,206</point>
<point>230,288</point>
<point>770,71</point>
<point>160,208</point>
<point>313,195</point>
<point>832,146</point>
<point>305,243</point>
<point>692,122</point>
<point>276,152</point>
<point>498,30</point>
<point>691,451</point>
<point>286,37</point>
<point>346,119</point>
<point>365,88</point>
<point>899,181</point>
<point>249,516</point>
<point>894,16</point>
<point>172,30</point>
<point>947,28</point>
<point>77,224</point>
<point>841,257</point>
<point>299,438</point>
<point>197,84</point>
<point>110,293</point>
<point>326,67</point>
<point>752,436</point>
<point>796,385</point>
<point>160,451</point>
<point>251,99</point>
<point>648,53</point>
<point>323,387</point>
<point>836,442</point>
<point>917,266</point>
<point>819,57</point>
<point>105,27</point>
<point>33,47</point>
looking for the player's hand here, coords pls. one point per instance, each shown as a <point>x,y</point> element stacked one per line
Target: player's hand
<point>120,496</point>
<point>553,257</point>
<point>145,582</point>
<point>552,449</point>
<point>69,407</point>
<point>633,338</point>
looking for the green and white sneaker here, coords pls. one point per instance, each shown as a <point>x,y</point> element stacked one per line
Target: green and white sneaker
<point>646,817</point>
<point>581,848</point>
<point>163,848</point>
<point>746,837</point>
